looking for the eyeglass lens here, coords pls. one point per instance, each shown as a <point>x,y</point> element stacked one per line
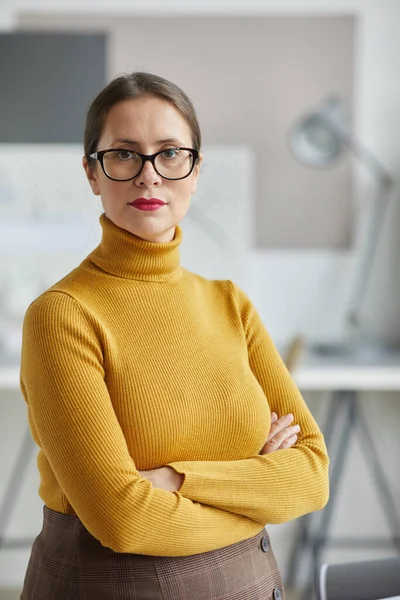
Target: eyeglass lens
<point>173,163</point>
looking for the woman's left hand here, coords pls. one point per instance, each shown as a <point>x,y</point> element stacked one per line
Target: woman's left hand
<point>165,478</point>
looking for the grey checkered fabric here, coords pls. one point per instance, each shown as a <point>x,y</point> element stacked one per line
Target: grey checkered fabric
<point>68,563</point>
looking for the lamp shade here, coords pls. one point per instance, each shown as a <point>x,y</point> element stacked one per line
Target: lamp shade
<point>317,139</point>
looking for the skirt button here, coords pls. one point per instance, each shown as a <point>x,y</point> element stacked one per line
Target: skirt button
<point>265,544</point>
<point>277,594</point>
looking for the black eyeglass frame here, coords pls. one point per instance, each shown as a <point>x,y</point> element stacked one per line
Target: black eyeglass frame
<point>151,157</point>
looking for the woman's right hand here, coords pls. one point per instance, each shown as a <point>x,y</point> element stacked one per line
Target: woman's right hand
<point>282,435</point>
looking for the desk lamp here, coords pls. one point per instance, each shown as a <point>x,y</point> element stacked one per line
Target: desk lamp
<point>318,139</point>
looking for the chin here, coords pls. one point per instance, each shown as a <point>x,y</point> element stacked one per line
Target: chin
<point>151,230</point>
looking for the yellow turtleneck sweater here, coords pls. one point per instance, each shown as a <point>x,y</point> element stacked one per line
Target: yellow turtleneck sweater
<point>132,363</point>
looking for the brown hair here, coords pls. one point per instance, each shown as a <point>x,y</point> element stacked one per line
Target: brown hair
<point>134,85</point>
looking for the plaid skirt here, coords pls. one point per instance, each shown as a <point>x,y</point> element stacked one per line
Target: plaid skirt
<point>68,563</point>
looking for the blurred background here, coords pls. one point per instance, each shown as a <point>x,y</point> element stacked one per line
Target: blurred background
<point>304,234</point>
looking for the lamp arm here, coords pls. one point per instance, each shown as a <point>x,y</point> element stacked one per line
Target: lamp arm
<point>374,223</point>
<point>366,256</point>
<point>363,154</point>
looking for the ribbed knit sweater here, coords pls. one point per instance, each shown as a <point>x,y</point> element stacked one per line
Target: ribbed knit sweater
<point>131,363</point>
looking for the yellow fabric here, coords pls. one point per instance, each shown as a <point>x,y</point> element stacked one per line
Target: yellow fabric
<point>131,363</point>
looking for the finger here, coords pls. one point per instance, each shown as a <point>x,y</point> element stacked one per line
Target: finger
<point>274,417</point>
<point>280,438</point>
<point>277,440</point>
<point>288,443</point>
<point>279,425</point>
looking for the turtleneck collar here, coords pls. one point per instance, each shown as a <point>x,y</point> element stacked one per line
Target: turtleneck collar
<point>125,255</point>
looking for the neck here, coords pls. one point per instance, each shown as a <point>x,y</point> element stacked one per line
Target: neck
<point>168,236</point>
<point>126,255</point>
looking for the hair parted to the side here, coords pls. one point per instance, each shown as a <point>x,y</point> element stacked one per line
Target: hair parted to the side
<point>134,85</point>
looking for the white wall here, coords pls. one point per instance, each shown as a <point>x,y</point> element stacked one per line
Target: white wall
<point>305,291</point>
<point>377,122</point>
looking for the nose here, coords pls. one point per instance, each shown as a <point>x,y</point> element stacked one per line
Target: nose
<point>148,177</point>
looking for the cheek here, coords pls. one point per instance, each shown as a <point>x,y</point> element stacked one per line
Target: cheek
<point>112,191</point>
<point>195,177</point>
<point>185,190</point>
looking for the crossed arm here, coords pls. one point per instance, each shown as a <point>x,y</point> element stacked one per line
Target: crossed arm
<point>282,436</point>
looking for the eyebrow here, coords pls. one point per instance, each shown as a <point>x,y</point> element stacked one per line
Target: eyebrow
<point>166,141</point>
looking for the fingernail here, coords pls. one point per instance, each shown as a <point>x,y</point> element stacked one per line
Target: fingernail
<point>289,417</point>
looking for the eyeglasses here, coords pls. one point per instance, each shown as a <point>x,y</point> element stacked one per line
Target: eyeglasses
<point>120,164</point>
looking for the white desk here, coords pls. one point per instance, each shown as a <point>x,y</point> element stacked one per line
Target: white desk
<point>310,375</point>
<point>368,371</point>
<point>9,377</point>
<point>351,377</point>
<point>307,377</point>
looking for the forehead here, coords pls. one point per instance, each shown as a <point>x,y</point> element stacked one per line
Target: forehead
<point>148,118</point>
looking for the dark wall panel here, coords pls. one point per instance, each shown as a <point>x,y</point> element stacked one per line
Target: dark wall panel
<point>47,82</point>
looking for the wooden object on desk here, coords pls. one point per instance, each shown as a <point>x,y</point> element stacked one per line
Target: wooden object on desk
<point>294,352</point>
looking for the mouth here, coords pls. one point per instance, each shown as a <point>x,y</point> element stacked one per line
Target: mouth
<point>148,204</point>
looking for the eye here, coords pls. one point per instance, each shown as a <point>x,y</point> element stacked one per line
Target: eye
<point>171,153</point>
<point>122,155</point>
<point>125,155</point>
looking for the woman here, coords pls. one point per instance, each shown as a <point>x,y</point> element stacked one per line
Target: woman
<point>153,393</point>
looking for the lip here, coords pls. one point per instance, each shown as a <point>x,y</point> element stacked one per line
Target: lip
<point>147,203</point>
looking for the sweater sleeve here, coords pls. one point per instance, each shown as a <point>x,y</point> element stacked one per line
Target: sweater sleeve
<point>282,485</point>
<point>63,383</point>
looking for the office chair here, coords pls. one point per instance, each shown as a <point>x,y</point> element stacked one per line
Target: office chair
<point>366,580</point>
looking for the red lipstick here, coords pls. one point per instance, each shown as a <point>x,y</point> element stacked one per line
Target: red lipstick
<point>147,203</point>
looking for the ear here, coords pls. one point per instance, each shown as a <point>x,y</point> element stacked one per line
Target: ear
<point>91,176</point>
<point>196,173</point>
